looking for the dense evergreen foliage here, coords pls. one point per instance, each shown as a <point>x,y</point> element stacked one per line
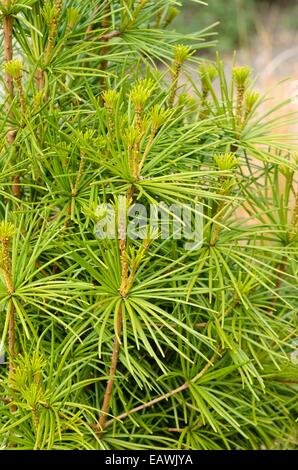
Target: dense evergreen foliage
<point>135,343</point>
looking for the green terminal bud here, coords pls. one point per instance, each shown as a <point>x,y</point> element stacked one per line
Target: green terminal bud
<point>37,99</point>
<point>139,95</point>
<point>59,5</point>
<point>241,76</point>
<point>85,138</point>
<point>246,283</point>
<point>188,102</point>
<point>251,98</point>
<point>207,73</point>
<point>225,161</point>
<point>7,231</point>
<point>9,7</point>
<point>101,143</point>
<point>140,92</point>
<point>241,79</point>
<point>171,15</point>
<point>49,12</point>
<point>181,53</point>
<point>14,68</point>
<point>110,98</point>
<point>158,117</point>
<point>73,15</point>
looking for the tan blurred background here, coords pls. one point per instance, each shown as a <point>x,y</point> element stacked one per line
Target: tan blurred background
<point>263,33</point>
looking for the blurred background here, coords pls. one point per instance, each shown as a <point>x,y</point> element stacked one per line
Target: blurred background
<point>240,20</point>
<point>264,34</point>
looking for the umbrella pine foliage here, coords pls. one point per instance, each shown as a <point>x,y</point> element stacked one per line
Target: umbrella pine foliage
<point>148,341</point>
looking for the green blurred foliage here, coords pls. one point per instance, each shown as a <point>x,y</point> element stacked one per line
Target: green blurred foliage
<point>236,18</point>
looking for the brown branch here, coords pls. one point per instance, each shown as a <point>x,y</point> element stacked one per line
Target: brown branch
<point>21,95</point>
<point>10,290</point>
<point>201,325</point>
<point>153,402</point>
<point>5,400</point>
<point>7,275</point>
<point>8,55</point>
<point>119,325</point>
<point>105,424</point>
<point>174,86</point>
<point>11,336</point>
<point>7,23</point>
<point>123,290</point>
<point>40,79</point>
<point>110,35</point>
<point>175,430</point>
<point>109,387</point>
<point>287,382</point>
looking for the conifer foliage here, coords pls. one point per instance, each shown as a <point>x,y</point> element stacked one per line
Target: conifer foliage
<point>137,342</point>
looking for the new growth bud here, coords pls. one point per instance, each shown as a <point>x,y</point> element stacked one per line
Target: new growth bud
<point>207,73</point>
<point>110,98</point>
<point>48,12</point>
<point>158,117</point>
<point>181,53</point>
<point>14,68</point>
<point>7,231</point>
<point>140,92</point>
<point>241,76</point>
<point>225,161</point>
<point>251,98</point>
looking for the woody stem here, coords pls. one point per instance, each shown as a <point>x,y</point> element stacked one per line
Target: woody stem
<point>8,81</point>
<point>112,373</point>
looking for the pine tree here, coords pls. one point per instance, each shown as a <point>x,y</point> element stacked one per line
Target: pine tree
<point>117,339</point>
